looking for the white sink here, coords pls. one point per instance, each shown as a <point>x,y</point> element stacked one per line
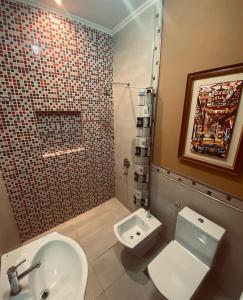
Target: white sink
<point>62,275</point>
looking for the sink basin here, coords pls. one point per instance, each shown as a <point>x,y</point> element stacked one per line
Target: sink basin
<point>62,274</point>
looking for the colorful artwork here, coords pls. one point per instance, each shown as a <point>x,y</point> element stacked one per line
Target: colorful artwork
<point>216,109</point>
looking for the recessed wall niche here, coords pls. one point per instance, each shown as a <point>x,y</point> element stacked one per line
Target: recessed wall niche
<point>47,192</point>
<point>59,131</point>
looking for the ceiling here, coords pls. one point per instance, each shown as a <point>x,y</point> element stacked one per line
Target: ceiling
<point>105,13</point>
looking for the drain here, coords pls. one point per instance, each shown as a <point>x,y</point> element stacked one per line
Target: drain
<point>44,294</point>
<point>138,233</point>
<point>131,237</point>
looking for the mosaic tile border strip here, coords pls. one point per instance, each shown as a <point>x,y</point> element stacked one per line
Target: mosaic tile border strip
<point>57,153</point>
<point>215,194</point>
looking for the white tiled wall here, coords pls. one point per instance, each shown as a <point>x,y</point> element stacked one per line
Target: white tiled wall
<point>132,62</point>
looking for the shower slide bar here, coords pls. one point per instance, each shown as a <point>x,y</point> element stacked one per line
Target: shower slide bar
<point>125,84</point>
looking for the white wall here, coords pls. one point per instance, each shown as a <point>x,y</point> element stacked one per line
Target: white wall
<point>132,62</point>
<point>228,270</point>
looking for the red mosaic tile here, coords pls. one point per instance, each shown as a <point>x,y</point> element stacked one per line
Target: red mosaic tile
<point>57,133</point>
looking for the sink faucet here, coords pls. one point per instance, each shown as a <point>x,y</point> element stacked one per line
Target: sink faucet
<point>148,213</point>
<point>14,278</point>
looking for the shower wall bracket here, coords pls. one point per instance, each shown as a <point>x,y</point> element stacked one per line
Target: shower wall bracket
<point>146,117</point>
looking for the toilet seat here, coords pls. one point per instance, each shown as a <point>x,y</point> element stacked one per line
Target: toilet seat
<point>177,273</point>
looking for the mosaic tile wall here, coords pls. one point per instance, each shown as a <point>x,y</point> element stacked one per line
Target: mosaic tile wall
<point>56,141</point>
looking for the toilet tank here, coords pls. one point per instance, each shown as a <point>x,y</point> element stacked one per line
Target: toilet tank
<point>198,235</point>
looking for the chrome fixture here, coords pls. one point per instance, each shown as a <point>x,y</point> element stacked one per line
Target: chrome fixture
<point>126,163</point>
<point>14,278</point>
<point>118,84</point>
<point>148,214</point>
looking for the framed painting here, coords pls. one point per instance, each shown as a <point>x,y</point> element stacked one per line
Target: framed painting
<point>211,131</point>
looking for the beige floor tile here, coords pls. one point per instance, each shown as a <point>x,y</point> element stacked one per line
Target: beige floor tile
<point>124,288</point>
<point>101,297</point>
<point>151,293</point>
<point>112,206</point>
<point>115,207</point>
<point>131,262</point>
<point>109,212</point>
<point>146,285</point>
<point>88,216</point>
<point>93,288</point>
<point>98,243</point>
<point>96,234</point>
<point>209,290</point>
<point>133,286</point>
<point>108,267</point>
<point>66,230</point>
<point>87,228</point>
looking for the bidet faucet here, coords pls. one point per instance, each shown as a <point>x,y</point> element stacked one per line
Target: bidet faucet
<point>14,278</point>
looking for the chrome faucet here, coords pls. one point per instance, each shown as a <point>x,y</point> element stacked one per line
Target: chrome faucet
<point>14,278</point>
<point>148,213</point>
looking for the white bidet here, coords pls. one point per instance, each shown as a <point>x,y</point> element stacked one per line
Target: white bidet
<point>138,232</point>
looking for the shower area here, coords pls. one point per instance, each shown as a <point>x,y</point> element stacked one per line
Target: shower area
<point>65,127</point>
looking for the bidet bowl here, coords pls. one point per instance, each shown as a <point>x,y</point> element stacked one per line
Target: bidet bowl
<point>63,271</point>
<point>138,231</point>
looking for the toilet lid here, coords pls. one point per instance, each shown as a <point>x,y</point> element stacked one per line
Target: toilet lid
<point>176,272</point>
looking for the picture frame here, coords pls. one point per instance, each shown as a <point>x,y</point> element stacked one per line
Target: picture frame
<point>212,123</point>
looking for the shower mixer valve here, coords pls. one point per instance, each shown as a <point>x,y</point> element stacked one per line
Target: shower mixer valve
<point>126,165</point>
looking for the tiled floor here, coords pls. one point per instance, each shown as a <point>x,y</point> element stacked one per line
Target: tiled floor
<point>115,274</point>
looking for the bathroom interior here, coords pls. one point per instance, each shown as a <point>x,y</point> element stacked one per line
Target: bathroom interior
<point>121,150</point>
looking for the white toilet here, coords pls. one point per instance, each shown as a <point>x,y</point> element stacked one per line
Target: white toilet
<point>178,270</point>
